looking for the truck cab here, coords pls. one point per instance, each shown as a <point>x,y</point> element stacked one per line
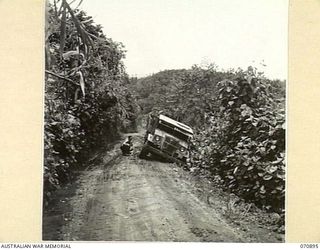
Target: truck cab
<point>167,138</point>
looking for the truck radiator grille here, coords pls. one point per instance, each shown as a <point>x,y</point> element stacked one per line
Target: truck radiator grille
<point>170,145</point>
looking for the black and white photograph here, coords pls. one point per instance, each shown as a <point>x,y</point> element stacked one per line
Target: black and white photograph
<point>165,121</point>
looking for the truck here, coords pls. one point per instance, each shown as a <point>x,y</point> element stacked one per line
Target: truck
<point>167,138</point>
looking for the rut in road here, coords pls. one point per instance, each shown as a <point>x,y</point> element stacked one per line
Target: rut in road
<point>130,199</point>
<point>139,200</point>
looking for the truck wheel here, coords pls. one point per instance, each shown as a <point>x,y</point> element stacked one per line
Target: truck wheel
<point>143,154</point>
<point>146,137</point>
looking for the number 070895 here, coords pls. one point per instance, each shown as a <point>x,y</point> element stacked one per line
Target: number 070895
<point>308,245</point>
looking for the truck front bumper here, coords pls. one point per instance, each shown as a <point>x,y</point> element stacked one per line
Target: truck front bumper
<point>163,155</point>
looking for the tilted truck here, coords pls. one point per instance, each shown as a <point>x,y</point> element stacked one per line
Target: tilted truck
<point>167,138</point>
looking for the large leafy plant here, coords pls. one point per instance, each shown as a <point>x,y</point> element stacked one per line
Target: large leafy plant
<point>245,140</point>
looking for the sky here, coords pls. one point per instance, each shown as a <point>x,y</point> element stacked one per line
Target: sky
<point>176,34</point>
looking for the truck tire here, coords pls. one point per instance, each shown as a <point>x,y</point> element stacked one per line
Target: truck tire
<point>143,154</point>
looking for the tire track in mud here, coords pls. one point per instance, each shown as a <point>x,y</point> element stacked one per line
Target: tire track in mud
<point>202,221</point>
<point>145,207</point>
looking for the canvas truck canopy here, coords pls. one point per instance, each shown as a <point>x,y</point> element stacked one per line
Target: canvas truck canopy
<point>178,125</point>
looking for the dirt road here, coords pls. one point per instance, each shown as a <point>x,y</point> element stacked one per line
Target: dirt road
<point>130,199</point>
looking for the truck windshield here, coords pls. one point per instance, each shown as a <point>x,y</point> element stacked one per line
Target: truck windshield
<point>170,129</point>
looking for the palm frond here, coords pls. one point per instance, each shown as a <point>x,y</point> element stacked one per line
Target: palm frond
<point>80,29</point>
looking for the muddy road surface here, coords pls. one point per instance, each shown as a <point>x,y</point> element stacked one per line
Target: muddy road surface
<point>124,198</point>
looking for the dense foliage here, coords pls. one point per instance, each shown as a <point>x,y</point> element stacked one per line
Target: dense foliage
<point>239,121</point>
<point>87,103</point>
